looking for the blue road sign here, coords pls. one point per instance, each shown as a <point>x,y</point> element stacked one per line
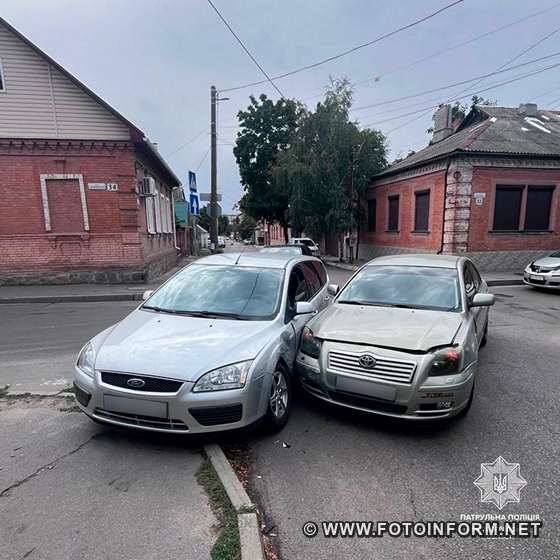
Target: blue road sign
<point>195,205</point>
<point>192,181</point>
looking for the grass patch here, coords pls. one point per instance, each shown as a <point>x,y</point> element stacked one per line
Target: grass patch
<point>227,545</point>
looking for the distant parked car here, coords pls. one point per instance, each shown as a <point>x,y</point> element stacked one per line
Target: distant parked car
<point>401,339</point>
<point>221,242</point>
<point>290,249</point>
<point>544,272</point>
<point>211,349</point>
<point>247,242</point>
<point>308,242</point>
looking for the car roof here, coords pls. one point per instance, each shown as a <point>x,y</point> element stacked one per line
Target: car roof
<point>420,259</point>
<point>256,259</point>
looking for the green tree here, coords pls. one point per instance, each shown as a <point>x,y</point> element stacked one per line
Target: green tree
<point>246,227</point>
<point>204,218</point>
<point>266,130</point>
<point>460,110</point>
<point>328,165</point>
<point>224,227</point>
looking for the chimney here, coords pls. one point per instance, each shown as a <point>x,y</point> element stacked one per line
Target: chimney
<point>528,109</point>
<point>442,123</point>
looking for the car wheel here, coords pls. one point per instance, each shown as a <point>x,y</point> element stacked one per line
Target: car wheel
<point>280,400</point>
<point>484,336</point>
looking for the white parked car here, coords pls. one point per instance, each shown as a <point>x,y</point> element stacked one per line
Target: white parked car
<point>313,247</point>
<point>544,272</point>
<point>221,242</point>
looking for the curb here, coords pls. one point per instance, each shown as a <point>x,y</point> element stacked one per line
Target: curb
<point>247,523</point>
<point>72,298</point>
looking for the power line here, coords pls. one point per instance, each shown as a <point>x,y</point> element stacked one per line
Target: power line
<point>544,94</point>
<point>349,51</point>
<point>447,49</point>
<point>433,90</point>
<point>268,78</point>
<point>186,143</point>
<point>529,74</point>
<point>516,57</point>
<point>202,160</point>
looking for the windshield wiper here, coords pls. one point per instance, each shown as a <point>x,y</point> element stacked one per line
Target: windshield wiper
<point>361,302</point>
<point>161,309</point>
<point>219,314</point>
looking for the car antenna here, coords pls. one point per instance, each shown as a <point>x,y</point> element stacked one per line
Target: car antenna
<point>240,255</point>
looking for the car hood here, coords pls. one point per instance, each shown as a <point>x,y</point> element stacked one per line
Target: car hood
<point>179,346</point>
<point>403,329</point>
<point>548,262</point>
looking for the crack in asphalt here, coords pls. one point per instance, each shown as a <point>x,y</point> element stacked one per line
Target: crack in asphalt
<point>5,493</point>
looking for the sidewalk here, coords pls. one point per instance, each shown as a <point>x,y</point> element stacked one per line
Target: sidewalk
<point>492,278</point>
<point>84,292</point>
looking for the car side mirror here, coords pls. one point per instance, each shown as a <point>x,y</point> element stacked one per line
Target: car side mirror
<point>333,289</point>
<point>147,294</point>
<point>482,300</point>
<point>304,307</point>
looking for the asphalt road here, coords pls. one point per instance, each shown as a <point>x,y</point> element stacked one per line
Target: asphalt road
<point>39,341</point>
<point>345,466</point>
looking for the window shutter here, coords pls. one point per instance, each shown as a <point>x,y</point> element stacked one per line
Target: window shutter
<point>149,202</point>
<point>157,211</point>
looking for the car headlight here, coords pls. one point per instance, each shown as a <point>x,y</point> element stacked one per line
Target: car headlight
<point>309,344</point>
<point>86,359</point>
<point>447,361</point>
<point>233,376</point>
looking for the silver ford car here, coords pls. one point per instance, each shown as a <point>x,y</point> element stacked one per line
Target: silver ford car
<point>401,339</point>
<point>211,349</point>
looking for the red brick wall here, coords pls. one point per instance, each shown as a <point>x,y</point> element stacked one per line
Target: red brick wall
<point>113,240</point>
<point>481,237</point>
<point>405,237</point>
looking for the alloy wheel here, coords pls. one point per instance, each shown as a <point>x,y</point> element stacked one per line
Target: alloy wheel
<point>279,394</point>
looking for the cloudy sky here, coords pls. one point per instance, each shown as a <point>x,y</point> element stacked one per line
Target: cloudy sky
<point>155,60</point>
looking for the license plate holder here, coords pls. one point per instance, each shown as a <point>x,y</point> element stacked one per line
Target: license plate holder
<point>140,407</point>
<point>536,277</point>
<point>366,388</point>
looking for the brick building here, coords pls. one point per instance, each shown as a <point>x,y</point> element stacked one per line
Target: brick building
<point>71,172</point>
<point>486,188</point>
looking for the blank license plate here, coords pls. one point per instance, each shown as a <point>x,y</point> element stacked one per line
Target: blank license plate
<point>141,407</point>
<point>366,388</point>
<point>537,278</point>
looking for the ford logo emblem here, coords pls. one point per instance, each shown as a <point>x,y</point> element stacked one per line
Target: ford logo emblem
<point>136,383</point>
<point>367,361</point>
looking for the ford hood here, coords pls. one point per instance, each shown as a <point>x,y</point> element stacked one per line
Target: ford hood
<point>393,327</point>
<point>179,346</point>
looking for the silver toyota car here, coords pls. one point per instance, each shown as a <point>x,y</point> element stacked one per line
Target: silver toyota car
<point>401,339</point>
<point>211,349</point>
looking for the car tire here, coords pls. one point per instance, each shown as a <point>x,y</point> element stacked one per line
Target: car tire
<point>484,336</point>
<point>279,403</point>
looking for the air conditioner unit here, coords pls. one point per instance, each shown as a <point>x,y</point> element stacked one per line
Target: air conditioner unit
<point>147,187</point>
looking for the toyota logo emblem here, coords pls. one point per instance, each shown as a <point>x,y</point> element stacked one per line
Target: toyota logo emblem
<point>136,383</point>
<point>367,361</point>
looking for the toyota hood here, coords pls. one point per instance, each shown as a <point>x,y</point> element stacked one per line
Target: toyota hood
<point>179,346</point>
<point>392,327</point>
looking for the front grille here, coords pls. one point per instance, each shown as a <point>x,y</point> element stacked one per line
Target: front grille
<point>153,384</point>
<point>143,421</point>
<point>536,268</point>
<point>374,405</point>
<point>81,396</point>
<point>215,415</point>
<point>397,371</point>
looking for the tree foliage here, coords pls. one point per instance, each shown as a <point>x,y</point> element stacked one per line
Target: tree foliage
<point>266,130</point>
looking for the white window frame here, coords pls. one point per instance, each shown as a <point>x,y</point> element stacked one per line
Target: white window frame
<point>169,215</point>
<point>162,212</point>
<point>157,211</point>
<point>149,201</point>
<point>2,78</point>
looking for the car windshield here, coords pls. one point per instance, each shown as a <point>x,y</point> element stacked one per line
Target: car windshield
<point>293,250</point>
<point>415,287</point>
<point>556,255</point>
<point>235,292</point>
<point>307,242</point>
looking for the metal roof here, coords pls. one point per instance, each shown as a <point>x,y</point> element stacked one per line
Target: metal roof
<point>493,130</point>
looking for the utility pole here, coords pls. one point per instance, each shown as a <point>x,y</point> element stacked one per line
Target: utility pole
<point>213,172</point>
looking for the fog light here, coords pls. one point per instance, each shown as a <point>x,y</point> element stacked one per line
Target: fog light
<point>442,405</point>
